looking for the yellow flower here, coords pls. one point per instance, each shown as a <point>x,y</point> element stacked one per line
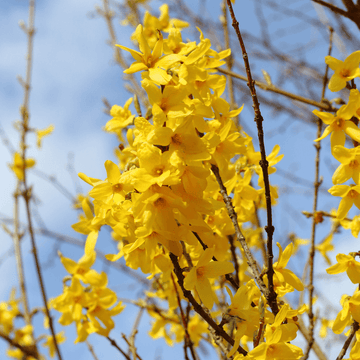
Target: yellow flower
<point>158,327</point>
<point>353,225</point>
<point>19,166</point>
<point>351,309</point>
<point>81,269</point>
<point>270,350</point>
<point>350,164</point>
<point>70,302</point>
<point>325,246</point>
<point>49,343</point>
<point>98,308</point>
<point>339,125</point>
<point>151,60</point>
<point>174,45</point>
<point>163,23</point>
<point>22,337</point>
<point>122,117</point>
<point>199,275</point>
<point>155,168</point>
<point>350,196</point>
<point>9,310</point>
<point>344,70</point>
<point>41,133</point>
<point>167,104</point>
<point>346,263</point>
<point>115,187</point>
<point>325,324</point>
<point>245,316</point>
<point>277,336</point>
<point>244,194</point>
<point>286,276</point>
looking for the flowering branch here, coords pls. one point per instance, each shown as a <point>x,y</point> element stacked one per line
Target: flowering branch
<point>198,308</point>
<point>324,105</point>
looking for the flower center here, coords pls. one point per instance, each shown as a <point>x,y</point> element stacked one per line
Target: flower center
<point>117,188</point>
<point>200,271</point>
<point>354,164</point>
<point>160,203</point>
<point>158,170</point>
<point>345,73</point>
<point>176,139</point>
<point>353,194</point>
<point>338,124</point>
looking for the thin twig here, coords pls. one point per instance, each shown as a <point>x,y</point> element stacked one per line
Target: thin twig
<point>317,184</point>
<point>234,259</point>
<point>18,256</point>
<point>322,105</point>
<point>187,341</point>
<point>115,345</point>
<point>354,329</point>
<point>240,237</point>
<point>24,110</point>
<point>269,228</point>
<point>131,348</point>
<point>258,226</point>
<point>135,331</point>
<point>91,349</point>
<point>198,308</point>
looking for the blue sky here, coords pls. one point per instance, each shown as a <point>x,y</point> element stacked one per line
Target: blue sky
<point>73,70</point>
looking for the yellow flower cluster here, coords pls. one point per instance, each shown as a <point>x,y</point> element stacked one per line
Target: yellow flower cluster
<point>22,336</point>
<point>90,307</point>
<point>163,197</point>
<point>345,122</point>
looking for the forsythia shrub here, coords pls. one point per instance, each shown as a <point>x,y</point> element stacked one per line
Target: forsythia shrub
<point>171,218</point>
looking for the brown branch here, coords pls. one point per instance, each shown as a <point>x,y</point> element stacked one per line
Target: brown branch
<point>269,228</point>
<point>18,256</point>
<point>198,308</point>
<point>333,8</point>
<point>240,237</point>
<point>258,225</point>
<point>131,347</point>
<point>134,332</point>
<point>234,259</point>
<point>24,110</point>
<point>354,329</point>
<point>352,13</point>
<point>324,105</point>
<point>115,345</point>
<point>317,184</point>
<point>27,350</point>
<point>187,341</point>
<point>322,213</point>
